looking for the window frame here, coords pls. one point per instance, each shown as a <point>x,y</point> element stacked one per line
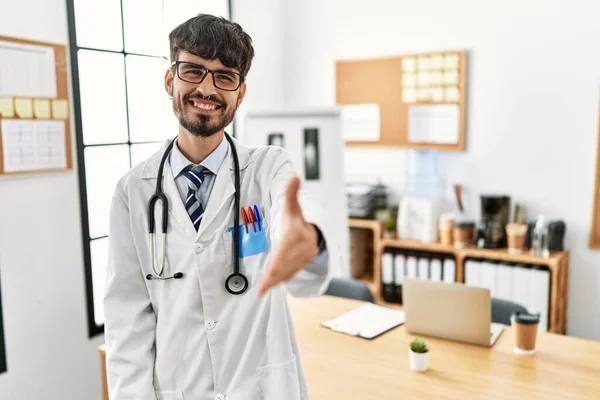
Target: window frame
<point>93,328</point>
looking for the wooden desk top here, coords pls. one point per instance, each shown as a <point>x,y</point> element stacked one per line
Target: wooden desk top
<point>339,366</point>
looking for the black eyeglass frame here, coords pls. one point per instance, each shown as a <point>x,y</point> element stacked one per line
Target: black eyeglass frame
<point>176,64</point>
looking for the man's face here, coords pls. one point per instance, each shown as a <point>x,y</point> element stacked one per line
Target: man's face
<point>201,108</point>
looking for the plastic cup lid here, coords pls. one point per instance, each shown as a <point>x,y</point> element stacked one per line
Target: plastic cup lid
<point>526,318</point>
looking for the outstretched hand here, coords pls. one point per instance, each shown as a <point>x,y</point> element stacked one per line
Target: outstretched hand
<point>298,244</point>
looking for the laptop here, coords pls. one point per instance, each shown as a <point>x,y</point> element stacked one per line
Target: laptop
<point>450,311</point>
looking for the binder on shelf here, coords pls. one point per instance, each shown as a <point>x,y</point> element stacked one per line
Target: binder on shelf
<point>435,268</point>
<point>399,273</point>
<point>473,272</point>
<point>449,270</point>
<point>387,276</point>
<point>411,266</point>
<point>504,285</point>
<point>539,291</point>
<point>488,276</point>
<point>520,283</point>
<point>423,267</point>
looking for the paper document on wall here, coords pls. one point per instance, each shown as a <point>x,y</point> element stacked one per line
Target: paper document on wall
<point>434,123</point>
<point>33,145</point>
<point>361,122</point>
<point>27,70</point>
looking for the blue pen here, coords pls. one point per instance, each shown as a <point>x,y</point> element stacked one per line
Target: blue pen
<point>257,216</point>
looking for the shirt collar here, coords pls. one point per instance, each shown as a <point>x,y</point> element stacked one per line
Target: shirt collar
<point>213,162</point>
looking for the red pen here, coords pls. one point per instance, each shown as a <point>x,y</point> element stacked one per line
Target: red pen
<point>252,218</point>
<point>245,217</point>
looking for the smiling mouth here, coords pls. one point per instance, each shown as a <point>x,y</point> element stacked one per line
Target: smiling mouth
<point>204,106</point>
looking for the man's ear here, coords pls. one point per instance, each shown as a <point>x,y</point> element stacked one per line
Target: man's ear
<point>241,95</point>
<point>169,82</point>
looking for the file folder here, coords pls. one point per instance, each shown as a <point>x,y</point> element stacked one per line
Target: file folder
<point>399,274</point>
<point>387,276</point>
<point>449,267</point>
<point>367,321</point>
<point>521,287</point>
<point>411,267</point>
<point>435,268</point>
<point>473,273</point>
<point>539,293</point>
<point>488,277</point>
<point>504,282</point>
<point>423,268</point>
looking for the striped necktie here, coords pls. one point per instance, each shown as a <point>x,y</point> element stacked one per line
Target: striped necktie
<point>195,176</point>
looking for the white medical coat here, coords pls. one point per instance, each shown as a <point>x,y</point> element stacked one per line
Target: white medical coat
<point>164,337</point>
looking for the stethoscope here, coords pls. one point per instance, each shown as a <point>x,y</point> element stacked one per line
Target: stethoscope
<point>236,283</point>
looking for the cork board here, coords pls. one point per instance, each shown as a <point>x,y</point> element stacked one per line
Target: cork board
<point>47,115</point>
<point>395,84</point>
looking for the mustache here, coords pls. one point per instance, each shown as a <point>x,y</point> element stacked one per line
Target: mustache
<point>212,98</point>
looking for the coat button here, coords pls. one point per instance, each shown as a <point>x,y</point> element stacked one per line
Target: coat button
<point>199,247</point>
<point>210,324</point>
<point>220,397</point>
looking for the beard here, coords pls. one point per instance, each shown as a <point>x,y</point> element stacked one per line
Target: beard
<point>199,124</point>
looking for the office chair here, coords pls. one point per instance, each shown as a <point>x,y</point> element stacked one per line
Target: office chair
<point>503,309</point>
<point>350,289</point>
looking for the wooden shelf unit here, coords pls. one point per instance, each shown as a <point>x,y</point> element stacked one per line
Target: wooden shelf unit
<point>557,264</point>
<point>372,275</point>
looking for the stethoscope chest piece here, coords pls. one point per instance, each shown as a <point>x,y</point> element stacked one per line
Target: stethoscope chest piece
<point>236,284</point>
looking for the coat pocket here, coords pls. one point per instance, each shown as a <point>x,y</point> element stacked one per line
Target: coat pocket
<point>279,381</point>
<point>169,395</point>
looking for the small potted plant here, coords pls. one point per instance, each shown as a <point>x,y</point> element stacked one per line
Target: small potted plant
<point>390,228</point>
<point>419,355</point>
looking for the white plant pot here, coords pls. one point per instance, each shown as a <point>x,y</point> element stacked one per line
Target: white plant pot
<point>419,361</point>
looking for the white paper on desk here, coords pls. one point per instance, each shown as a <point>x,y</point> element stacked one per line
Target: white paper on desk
<point>367,321</point>
<point>437,123</point>
<point>29,145</point>
<point>27,70</point>
<point>361,122</point>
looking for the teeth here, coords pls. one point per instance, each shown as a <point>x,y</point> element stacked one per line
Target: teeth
<point>205,106</point>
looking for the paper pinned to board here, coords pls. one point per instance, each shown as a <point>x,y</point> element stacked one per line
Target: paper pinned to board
<point>24,108</point>
<point>7,107</point>
<point>33,145</point>
<point>27,70</point>
<point>60,109</point>
<point>41,108</point>
<point>434,123</point>
<point>361,122</point>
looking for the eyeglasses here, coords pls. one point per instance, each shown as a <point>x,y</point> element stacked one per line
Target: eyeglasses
<point>194,73</point>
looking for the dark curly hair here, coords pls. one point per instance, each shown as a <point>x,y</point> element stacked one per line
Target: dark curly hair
<point>213,38</point>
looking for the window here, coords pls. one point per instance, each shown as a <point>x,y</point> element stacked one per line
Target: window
<point>119,54</point>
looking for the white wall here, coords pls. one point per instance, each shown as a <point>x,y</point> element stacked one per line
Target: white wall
<point>534,74</point>
<point>41,261</point>
<point>262,20</point>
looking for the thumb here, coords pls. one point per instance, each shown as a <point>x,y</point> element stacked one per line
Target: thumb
<point>292,207</point>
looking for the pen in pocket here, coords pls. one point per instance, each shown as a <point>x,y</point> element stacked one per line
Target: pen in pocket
<point>257,216</point>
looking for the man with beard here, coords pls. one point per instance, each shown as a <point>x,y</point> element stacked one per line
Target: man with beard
<point>176,327</point>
